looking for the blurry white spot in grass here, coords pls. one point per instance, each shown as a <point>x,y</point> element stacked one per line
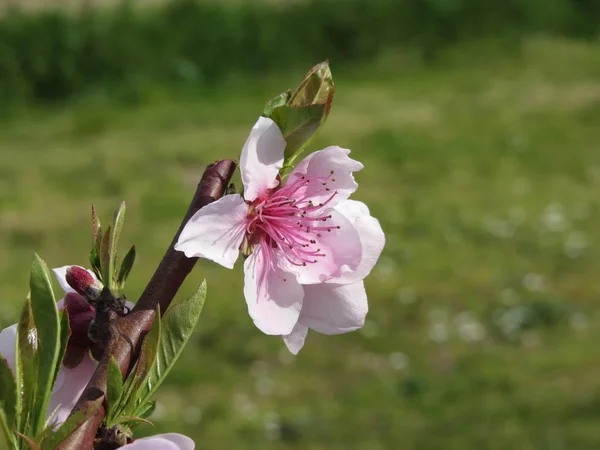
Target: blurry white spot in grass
<point>264,386</point>
<point>385,268</point>
<point>244,406</point>
<point>272,426</point>
<point>534,282</point>
<point>469,328</point>
<point>192,415</point>
<point>370,329</point>
<point>438,332</point>
<point>510,321</point>
<point>498,227</point>
<point>398,361</point>
<point>576,244</point>
<point>406,295</point>
<point>509,297</point>
<point>553,218</point>
<point>579,321</point>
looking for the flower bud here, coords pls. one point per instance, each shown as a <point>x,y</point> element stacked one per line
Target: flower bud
<point>83,282</point>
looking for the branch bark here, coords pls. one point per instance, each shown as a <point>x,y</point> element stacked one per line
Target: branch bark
<point>125,334</point>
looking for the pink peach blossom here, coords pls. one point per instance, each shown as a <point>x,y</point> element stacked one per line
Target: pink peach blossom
<point>311,247</point>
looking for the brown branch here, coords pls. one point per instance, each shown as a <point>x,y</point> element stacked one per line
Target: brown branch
<point>125,334</point>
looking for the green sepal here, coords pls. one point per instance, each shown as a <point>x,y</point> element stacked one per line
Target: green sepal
<point>105,257</point>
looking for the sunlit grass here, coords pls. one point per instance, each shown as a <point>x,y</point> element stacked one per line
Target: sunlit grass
<point>485,174</point>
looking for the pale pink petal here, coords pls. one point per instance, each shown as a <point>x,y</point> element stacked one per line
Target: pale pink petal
<point>169,441</point>
<point>60,273</point>
<point>295,340</point>
<point>274,299</point>
<point>333,308</point>
<point>318,166</point>
<point>341,247</point>
<point>216,231</point>
<point>372,240</point>
<point>8,337</point>
<point>61,303</point>
<point>69,386</point>
<point>261,159</point>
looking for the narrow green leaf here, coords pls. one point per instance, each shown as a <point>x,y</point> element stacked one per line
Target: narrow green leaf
<point>45,316</point>
<point>126,266</point>
<point>137,379</point>
<point>105,257</point>
<point>71,424</point>
<point>8,401</point>
<point>177,326</point>
<point>26,367</point>
<point>96,244</point>
<point>7,431</point>
<point>145,410</point>
<point>65,333</point>
<point>114,243</point>
<point>114,388</point>
<point>132,421</point>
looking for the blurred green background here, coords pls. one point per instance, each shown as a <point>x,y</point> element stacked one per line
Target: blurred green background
<point>479,126</point>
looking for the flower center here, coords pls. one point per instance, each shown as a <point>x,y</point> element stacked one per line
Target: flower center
<point>290,220</point>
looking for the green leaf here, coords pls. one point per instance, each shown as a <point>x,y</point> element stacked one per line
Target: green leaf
<point>65,333</point>
<point>317,88</point>
<point>8,402</point>
<point>105,257</point>
<point>26,365</point>
<point>71,424</point>
<point>45,316</point>
<point>126,266</point>
<point>298,125</point>
<point>177,327</point>
<point>114,243</point>
<point>276,102</point>
<point>96,245</point>
<point>145,410</point>
<point>114,388</point>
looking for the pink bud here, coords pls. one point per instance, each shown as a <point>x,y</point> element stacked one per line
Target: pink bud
<point>79,279</point>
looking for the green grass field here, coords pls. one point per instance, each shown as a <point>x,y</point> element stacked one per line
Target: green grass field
<point>484,170</point>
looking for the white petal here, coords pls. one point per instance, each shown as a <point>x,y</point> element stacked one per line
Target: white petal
<point>318,166</point>
<point>273,304</point>
<point>60,274</point>
<point>341,247</point>
<point>261,159</point>
<point>333,308</point>
<point>168,441</point>
<point>372,240</point>
<point>216,231</point>
<point>295,340</point>
<point>8,338</point>
<point>69,386</point>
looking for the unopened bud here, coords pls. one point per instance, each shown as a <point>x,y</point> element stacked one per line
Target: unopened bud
<point>83,282</point>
